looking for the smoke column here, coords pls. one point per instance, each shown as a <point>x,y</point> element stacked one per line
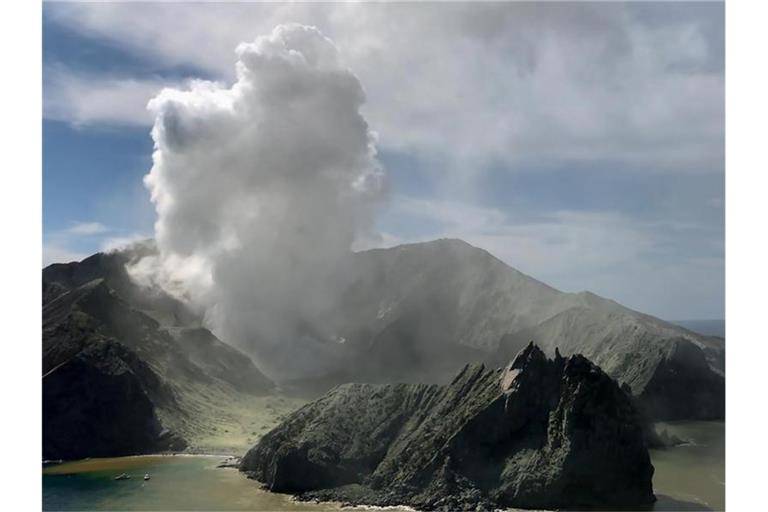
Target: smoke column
<point>260,190</point>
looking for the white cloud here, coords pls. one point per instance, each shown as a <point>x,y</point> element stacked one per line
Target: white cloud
<point>518,84</point>
<point>87,228</point>
<point>81,239</point>
<point>88,99</point>
<point>457,216</point>
<point>562,243</point>
<point>54,254</point>
<point>603,252</point>
<point>477,83</point>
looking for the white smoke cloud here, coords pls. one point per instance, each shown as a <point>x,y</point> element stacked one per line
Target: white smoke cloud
<point>261,189</point>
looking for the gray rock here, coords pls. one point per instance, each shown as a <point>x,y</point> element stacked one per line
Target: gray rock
<point>230,462</point>
<point>118,357</point>
<point>540,433</point>
<point>95,404</point>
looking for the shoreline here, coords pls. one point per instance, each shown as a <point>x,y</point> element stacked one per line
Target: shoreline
<point>138,455</point>
<point>252,484</point>
<point>685,476</point>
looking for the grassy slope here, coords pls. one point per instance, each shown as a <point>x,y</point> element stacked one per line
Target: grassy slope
<point>221,420</point>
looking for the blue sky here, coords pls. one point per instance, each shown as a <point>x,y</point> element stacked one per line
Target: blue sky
<point>582,145</point>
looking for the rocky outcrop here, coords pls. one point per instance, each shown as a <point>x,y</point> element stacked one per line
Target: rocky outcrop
<point>126,369</point>
<point>672,376</point>
<point>545,433</point>
<point>97,404</point>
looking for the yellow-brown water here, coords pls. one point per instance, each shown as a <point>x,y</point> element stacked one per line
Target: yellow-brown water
<point>176,483</point>
<point>690,477</point>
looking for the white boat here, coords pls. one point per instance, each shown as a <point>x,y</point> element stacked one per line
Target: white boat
<point>146,477</point>
<point>123,476</point>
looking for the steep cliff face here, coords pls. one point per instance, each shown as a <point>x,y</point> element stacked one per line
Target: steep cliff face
<point>540,433</point>
<point>98,404</point>
<point>682,386</point>
<point>127,370</point>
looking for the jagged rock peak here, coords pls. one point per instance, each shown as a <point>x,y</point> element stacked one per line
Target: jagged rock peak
<point>557,433</point>
<point>531,359</point>
<point>531,354</point>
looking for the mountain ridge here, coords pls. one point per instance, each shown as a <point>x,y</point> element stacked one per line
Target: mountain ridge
<point>418,312</point>
<point>117,380</point>
<point>449,297</point>
<point>540,433</point>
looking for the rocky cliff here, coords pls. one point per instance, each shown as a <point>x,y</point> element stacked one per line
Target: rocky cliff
<point>97,404</point>
<point>547,433</point>
<point>128,370</point>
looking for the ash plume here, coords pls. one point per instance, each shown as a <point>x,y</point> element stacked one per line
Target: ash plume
<point>261,188</point>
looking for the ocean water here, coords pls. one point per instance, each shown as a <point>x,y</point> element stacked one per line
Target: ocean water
<point>182,482</point>
<point>690,477</point>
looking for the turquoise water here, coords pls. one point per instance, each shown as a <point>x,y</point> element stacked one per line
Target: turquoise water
<point>690,477</point>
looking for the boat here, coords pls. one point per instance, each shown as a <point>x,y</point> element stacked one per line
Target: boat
<point>146,477</point>
<point>123,476</point>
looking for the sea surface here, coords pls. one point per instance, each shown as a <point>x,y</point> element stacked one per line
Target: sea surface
<point>181,482</point>
<point>691,476</point>
<point>688,477</point>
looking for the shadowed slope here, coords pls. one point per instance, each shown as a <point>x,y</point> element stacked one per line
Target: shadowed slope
<point>127,370</point>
